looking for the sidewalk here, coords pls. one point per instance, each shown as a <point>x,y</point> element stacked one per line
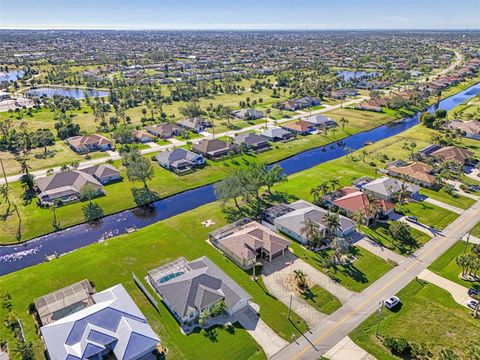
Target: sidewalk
<point>443,205</point>
<point>346,349</point>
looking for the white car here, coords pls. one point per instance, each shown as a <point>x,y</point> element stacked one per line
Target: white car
<point>472,304</point>
<point>391,302</point>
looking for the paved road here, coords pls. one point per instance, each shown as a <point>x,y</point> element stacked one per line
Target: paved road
<point>338,325</point>
<point>83,164</point>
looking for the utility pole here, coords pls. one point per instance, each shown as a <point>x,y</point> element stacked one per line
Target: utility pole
<point>290,305</point>
<point>466,242</point>
<point>380,310</point>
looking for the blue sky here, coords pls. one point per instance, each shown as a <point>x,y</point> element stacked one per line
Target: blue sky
<point>241,14</point>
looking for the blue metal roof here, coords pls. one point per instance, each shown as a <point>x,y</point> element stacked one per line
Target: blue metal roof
<point>137,345</point>
<point>100,338</point>
<point>91,350</point>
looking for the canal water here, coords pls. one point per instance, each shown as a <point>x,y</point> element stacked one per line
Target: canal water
<point>72,92</point>
<point>16,257</point>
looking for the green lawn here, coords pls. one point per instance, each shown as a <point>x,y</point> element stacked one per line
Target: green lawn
<point>428,315</point>
<point>113,262</point>
<point>380,234</point>
<point>476,230</point>
<point>447,267</point>
<point>428,214</point>
<point>356,277</point>
<point>321,299</point>
<point>458,201</point>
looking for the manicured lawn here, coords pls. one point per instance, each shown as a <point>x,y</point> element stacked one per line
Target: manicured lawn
<point>428,315</point>
<point>459,201</point>
<point>113,262</point>
<point>321,299</point>
<point>476,230</point>
<point>357,276</point>
<point>380,234</point>
<point>447,267</point>
<point>428,214</point>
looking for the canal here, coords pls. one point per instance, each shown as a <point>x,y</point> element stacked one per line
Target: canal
<point>16,257</point>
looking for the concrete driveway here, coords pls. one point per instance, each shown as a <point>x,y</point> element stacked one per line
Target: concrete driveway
<point>270,342</point>
<point>346,349</point>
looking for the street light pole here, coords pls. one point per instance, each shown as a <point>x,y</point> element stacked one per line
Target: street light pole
<point>380,310</point>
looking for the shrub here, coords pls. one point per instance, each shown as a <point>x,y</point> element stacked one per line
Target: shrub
<point>419,351</point>
<point>397,346</point>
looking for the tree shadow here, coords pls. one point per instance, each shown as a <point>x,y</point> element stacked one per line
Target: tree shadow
<point>279,197</point>
<point>211,334</point>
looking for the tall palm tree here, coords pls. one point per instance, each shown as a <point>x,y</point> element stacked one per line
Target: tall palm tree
<point>334,183</point>
<point>343,122</point>
<point>319,190</point>
<point>340,247</point>
<point>300,277</point>
<point>332,222</point>
<point>311,231</point>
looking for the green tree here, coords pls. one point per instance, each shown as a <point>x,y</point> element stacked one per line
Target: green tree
<point>140,170</point>
<point>92,211</point>
<point>311,231</point>
<point>340,247</point>
<point>229,189</point>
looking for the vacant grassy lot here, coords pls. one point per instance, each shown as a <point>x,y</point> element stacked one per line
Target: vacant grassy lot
<point>428,315</point>
<point>113,262</point>
<point>357,276</point>
<point>458,201</point>
<point>380,234</point>
<point>321,299</point>
<point>428,214</point>
<point>476,230</point>
<point>447,267</point>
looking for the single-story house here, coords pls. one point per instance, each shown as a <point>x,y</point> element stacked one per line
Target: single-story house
<point>188,288</point>
<point>386,188</point>
<point>354,200</point>
<point>213,148</point>
<point>65,186</point>
<point>196,124</point>
<point>248,114</point>
<point>252,141</point>
<point>246,242</point>
<point>292,222</point>
<point>416,172</point>
<point>142,136</point>
<point>300,127</point>
<point>277,134</point>
<point>179,160</point>
<point>301,103</point>
<point>469,129</point>
<point>104,173</point>
<point>342,93</point>
<point>78,323</point>
<point>320,121</point>
<point>87,143</point>
<point>164,131</point>
<point>453,153</point>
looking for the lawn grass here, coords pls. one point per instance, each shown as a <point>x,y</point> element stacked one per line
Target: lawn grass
<point>357,276</point>
<point>321,299</point>
<point>459,201</point>
<point>447,267</point>
<point>113,261</point>
<point>428,315</point>
<point>380,234</point>
<point>428,214</point>
<point>476,230</point>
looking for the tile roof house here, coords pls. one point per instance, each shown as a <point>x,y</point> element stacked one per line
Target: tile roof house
<point>301,103</point>
<point>81,324</point>
<point>417,173</point>
<point>386,187</point>
<point>104,173</point>
<point>320,121</point>
<point>246,243</point>
<point>64,186</point>
<point>248,114</point>
<point>213,148</point>
<point>469,129</point>
<point>277,134</point>
<point>188,288</point>
<point>453,153</point>
<point>292,222</point>
<point>179,160</point>
<point>87,143</point>
<point>164,131</point>
<point>354,200</point>
<point>299,127</point>
<point>252,141</point>
<point>196,124</point>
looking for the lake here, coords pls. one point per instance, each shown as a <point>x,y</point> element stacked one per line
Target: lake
<point>72,92</point>
<point>349,75</point>
<point>11,75</point>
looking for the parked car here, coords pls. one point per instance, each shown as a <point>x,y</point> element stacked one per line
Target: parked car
<point>392,302</point>
<point>474,292</point>
<point>411,218</point>
<point>472,304</point>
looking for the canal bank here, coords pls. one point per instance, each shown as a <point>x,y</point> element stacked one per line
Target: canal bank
<point>15,257</point>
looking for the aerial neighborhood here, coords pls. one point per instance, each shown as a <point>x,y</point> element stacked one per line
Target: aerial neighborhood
<point>239,194</point>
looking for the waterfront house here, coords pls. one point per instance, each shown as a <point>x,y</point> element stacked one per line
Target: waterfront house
<point>213,148</point>
<point>179,160</point>
<point>252,141</point>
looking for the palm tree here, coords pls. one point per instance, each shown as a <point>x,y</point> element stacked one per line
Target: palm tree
<point>364,154</point>
<point>360,217</point>
<point>300,277</point>
<point>463,262</point>
<point>334,183</point>
<point>311,231</point>
<point>340,247</point>
<point>319,190</point>
<point>332,222</point>
<point>343,122</point>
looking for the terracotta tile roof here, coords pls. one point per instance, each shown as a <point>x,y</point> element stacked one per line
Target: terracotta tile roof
<point>417,170</point>
<point>452,153</point>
